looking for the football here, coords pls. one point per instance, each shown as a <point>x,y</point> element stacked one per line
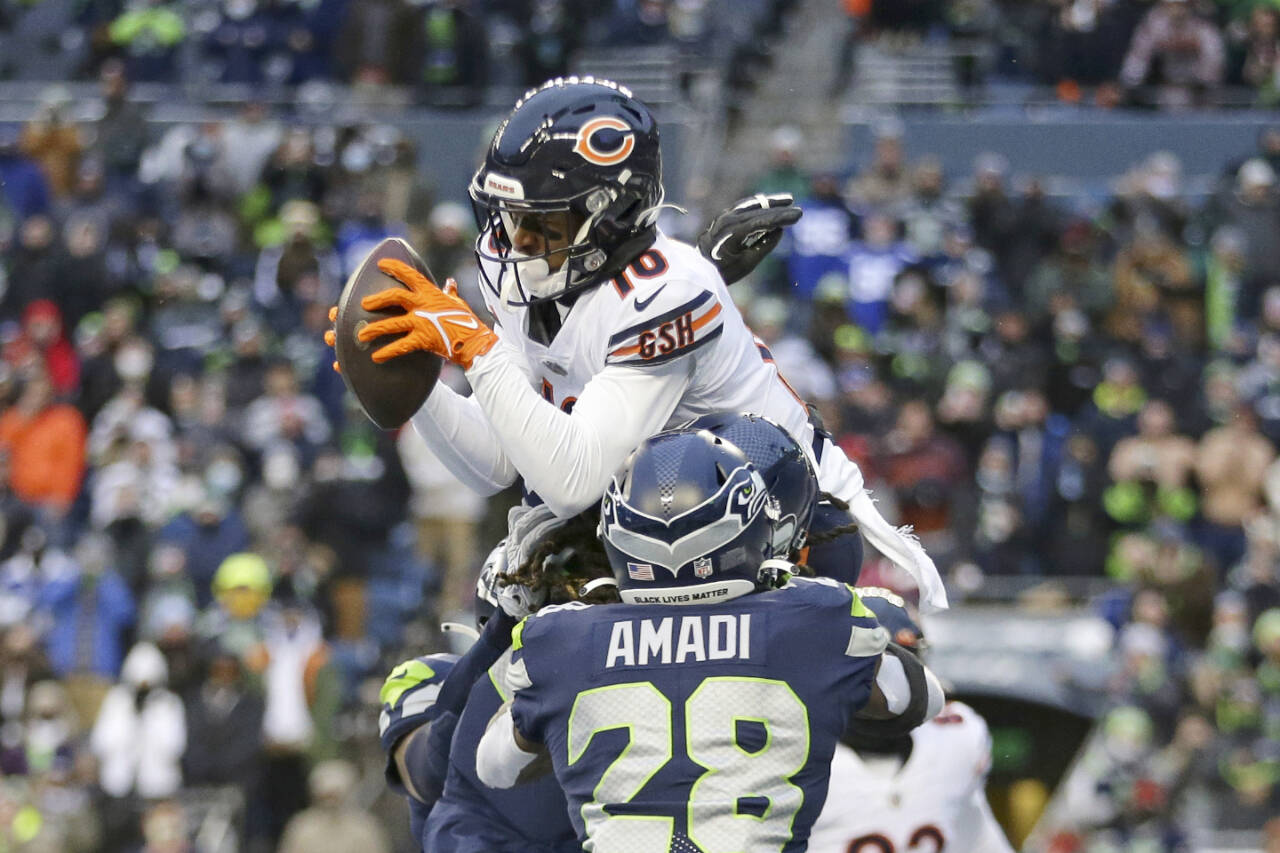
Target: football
<point>392,391</point>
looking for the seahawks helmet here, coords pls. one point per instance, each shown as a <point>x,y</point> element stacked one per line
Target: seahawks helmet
<point>782,464</point>
<point>687,520</point>
<point>577,159</point>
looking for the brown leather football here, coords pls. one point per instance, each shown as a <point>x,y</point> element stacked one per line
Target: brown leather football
<point>392,391</point>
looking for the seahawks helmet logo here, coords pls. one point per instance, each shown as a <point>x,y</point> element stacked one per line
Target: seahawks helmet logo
<point>587,145</point>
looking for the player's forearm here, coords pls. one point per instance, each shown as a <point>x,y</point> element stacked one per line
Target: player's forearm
<point>568,458</point>
<point>500,758</point>
<point>457,431</point>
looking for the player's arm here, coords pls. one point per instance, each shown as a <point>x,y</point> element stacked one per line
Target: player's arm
<point>457,431</point>
<point>905,693</point>
<point>566,458</point>
<point>505,757</point>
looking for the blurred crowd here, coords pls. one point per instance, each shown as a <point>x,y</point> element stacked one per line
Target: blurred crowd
<point>1149,53</point>
<point>205,548</point>
<point>446,50</point>
<point>1050,388</point>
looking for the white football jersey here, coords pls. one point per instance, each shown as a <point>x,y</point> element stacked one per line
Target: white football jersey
<point>933,803</point>
<point>669,303</point>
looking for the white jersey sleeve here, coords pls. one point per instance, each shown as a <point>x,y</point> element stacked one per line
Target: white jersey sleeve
<point>457,431</point>
<point>567,458</point>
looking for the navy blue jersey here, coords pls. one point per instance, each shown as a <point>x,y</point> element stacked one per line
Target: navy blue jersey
<point>472,818</point>
<point>702,724</point>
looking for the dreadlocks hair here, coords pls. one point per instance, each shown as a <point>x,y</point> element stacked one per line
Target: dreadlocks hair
<point>568,558</point>
<point>835,532</point>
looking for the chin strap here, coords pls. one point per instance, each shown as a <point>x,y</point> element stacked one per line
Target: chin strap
<point>774,573</point>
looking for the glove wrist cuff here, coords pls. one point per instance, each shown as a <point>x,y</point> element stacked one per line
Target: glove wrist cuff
<point>473,348</point>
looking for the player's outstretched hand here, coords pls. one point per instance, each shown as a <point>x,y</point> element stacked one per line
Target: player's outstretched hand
<point>738,239</point>
<point>526,528</point>
<point>434,320</point>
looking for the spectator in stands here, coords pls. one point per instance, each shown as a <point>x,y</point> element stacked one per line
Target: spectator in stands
<point>139,737</point>
<point>1231,462</point>
<point>1159,458</point>
<point>46,444</point>
<point>292,172</point>
<point>53,141</point>
<point>208,534</point>
<point>302,694</point>
<point>929,214</point>
<point>376,47</point>
<point>332,824</point>
<point>22,665</point>
<point>1177,52</point>
<point>284,413</point>
<point>886,181</point>
<point>121,132</point>
<point>818,243</point>
<point>43,342</point>
<point>926,471</point>
<point>227,713</point>
<point>34,272</point>
<point>1228,303</point>
<point>875,263</point>
<point>103,353</point>
<point>1255,209</point>
<point>24,575</point>
<point>90,610</point>
<point>785,173</point>
<point>450,37</point>
<point>1153,282</point>
<point>164,829</point>
<point>241,589</point>
<point>148,33</point>
<point>24,190</point>
<point>992,215</point>
<point>447,517</point>
<point>807,374</point>
<point>1072,277</point>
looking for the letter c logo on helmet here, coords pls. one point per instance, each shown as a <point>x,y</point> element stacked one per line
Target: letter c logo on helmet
<point>587,148</point>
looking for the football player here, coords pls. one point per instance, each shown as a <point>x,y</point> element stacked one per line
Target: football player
<point>894,791</point>
<point>607,330</point>
<point>418,716</point>
<point>702,712</point>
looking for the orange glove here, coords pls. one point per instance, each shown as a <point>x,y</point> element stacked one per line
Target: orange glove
<point>435,320</point>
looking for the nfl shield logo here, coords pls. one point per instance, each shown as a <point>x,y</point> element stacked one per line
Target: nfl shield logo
<point>702,567</point>
<point>640,571</point>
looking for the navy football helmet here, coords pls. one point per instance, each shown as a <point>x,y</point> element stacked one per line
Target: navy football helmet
<point>782,464</point>
<point>688,519</point>
<point>578,158</point>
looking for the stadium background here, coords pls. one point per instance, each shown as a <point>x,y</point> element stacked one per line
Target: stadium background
<point>1036,293</point>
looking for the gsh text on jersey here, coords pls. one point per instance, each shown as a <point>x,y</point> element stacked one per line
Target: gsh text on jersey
<point>674,335</point>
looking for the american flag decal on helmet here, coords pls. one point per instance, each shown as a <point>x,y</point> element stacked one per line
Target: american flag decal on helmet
<point>640,571</point>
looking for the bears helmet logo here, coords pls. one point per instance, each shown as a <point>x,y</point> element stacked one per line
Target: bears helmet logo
<point>585,145</point>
